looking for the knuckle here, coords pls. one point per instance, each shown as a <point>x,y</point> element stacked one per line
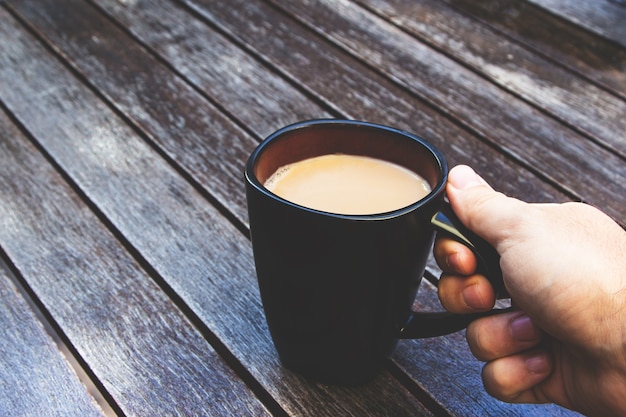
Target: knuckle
<point>496,385</point>
<point>479,341</point>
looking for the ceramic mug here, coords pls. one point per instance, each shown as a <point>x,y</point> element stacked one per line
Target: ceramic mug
<point>338,289</point>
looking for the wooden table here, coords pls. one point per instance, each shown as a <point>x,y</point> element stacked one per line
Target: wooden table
<point>128,284</point>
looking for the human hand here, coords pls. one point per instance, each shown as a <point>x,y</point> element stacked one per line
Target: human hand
<point>564,266</point>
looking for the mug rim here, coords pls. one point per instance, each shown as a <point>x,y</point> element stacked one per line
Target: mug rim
<point>437,155</point>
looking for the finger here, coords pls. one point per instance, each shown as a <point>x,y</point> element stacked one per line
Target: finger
<point>490,214</point>
<point>502,335</point>
<point>454,257</point>
<point>459,294</point>
<point>514,378</point>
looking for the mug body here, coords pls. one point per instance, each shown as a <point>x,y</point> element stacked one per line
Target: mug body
<point>337,289</point>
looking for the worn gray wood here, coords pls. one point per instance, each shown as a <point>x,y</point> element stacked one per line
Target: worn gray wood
<point>590,56</point>
<point>202,257</point>
<point>243,87</point>
<point>35,377</point>
<point>146,354</point>
<point>561,93</point>
<point>150,359</point>
<point>605,17</point>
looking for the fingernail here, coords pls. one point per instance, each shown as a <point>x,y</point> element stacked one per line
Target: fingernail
<point>538,364</point>
<point>463,177</point>
<point>453,262</point>
<point>472,297</point>
<point>523,329</point>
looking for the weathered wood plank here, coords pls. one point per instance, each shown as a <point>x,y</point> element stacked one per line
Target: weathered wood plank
<point>534,78</point>
<point>604,17</point>
<point>35,378</point>
<point>188,128</point>
<point>588,55</point>
<point>204,259</point>
<point>239,84</point>
<point>520,130</point>
<point>147,355</point>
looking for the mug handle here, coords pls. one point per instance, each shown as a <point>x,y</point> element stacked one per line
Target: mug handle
<point>422,324</point>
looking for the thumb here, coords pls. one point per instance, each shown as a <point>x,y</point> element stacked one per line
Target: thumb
<point>490,214</point>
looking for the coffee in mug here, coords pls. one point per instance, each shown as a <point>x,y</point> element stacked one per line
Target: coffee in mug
<point>348,184</point>
<point>338,289</point>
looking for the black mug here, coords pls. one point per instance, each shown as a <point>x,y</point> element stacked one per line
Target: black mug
<point>338,289</point>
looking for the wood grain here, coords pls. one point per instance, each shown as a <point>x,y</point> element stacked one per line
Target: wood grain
<point>588,55</point>
<point>557,91</point>
<point>243,87</point>
<point>145,353</point>
<point>34,374</point>
<point>604,17</point>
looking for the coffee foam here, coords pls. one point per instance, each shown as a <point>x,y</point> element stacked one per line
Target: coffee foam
<point>271,182</point>
<point>348,184</point>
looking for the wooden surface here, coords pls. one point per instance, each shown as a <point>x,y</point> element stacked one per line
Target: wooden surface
<point>127,280</point>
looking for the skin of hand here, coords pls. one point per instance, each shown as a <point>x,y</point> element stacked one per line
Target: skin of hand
<point>564,266</point>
